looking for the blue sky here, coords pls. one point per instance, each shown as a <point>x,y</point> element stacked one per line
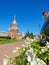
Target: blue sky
<point>28,14</point>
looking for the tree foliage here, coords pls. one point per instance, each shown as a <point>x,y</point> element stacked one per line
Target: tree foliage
<point>28,34</point>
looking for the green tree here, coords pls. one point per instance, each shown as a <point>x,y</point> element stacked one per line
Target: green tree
<point>28,34</point>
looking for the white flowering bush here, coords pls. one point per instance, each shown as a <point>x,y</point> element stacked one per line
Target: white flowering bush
<point>32,58</point>
<point>32,54</point>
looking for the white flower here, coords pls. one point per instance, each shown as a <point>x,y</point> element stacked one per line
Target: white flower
<point>27,38</point>
<point>32,59</point>
<point>14,51</point>
<point>32,40</point>
<point>40,52</point>
<point>29,59</point>
<point>32,63</point>
<point>47,44</point>
<point>30,50</point>
<point>43,50</point>
<point>37,61</point>
<point>5,61</point>
<point>40,62</point>
<point>29,54</point>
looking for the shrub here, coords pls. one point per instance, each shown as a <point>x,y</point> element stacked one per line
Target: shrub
<point>5,37</point>
<point>42,43</point>
<point>22,58</point>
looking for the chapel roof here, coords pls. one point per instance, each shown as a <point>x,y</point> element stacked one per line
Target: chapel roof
<point>14,21</point>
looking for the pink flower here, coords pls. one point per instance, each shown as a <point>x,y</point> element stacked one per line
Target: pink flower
<point>44,13</point>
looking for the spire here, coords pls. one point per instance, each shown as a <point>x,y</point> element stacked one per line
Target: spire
<point>14,22</point>
<point>14,17</point>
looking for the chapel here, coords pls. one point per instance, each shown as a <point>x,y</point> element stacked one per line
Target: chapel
<point>13,30</point>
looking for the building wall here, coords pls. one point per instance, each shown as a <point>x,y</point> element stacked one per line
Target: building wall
<point>14,34</point>
<point>3,34</point>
